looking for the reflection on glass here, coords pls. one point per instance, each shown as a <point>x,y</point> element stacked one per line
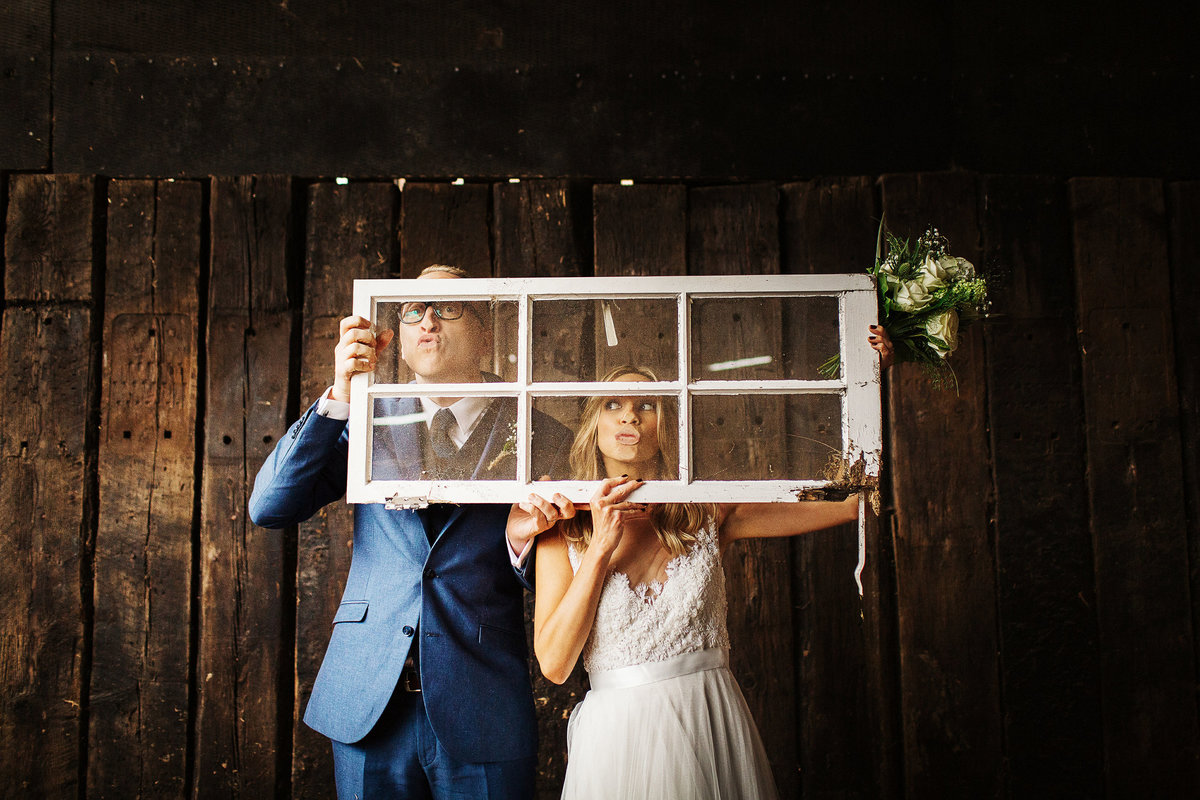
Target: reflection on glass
<point>447,341</point>
<point>765,437</point>
<point>413,439</point>
<point>581,340</point>
<point>632,435</point>
<point>762,338</point>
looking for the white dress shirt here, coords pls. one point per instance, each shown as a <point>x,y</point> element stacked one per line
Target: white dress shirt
<point>467,412</point>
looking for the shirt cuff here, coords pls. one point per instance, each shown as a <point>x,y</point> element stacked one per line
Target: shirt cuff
<point>519,560</point>
<point>333,409</point>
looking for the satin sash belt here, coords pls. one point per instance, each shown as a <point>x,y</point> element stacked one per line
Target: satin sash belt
<point>674,667</point>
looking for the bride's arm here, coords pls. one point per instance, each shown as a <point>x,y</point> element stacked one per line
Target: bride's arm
<point>757,520</point>
<point>565,604</point>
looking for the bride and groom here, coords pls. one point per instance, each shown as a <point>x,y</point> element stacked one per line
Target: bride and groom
<point>424,689</point>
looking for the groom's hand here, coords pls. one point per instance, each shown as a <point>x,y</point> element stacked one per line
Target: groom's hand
<point>535,516</point>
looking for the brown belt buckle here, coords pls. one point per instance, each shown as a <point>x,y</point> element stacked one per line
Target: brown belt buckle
<point>410,679</point>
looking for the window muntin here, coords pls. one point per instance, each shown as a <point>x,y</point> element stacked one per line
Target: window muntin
<point>754,419</point>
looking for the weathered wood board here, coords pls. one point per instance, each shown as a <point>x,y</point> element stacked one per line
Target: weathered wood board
<point>349,235</point>
<point>1134,475</point>
<point>47,471</point>
<point>242,606</point>
<point>945,568</point>
<point>142,657</point>
<point>845,645</point>
<point>1045,591</point>
<point>735,231</point>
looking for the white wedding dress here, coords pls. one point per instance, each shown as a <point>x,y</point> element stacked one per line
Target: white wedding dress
<point>665,719</point>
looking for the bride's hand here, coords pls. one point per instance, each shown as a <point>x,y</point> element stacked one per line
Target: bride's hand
<point>881,343</point>
<point>611,509</point>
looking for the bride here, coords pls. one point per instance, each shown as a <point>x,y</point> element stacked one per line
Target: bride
<point>639,592</point>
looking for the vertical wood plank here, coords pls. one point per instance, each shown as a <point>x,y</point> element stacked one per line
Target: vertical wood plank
<point>48,242</point>
<point>249,332</point>
<point>46,500</point>
<point>147,459</point>
<point>349,235</point>
<point>1134,465</point>
<point>1184,214</point>
<point>1050,668</point>
<point>534,230</point>
<point>734,230</point>
<point>445,224</point>
<point>535,236</point>
<point>945,568</point>
<point>640,230</point>
<point>847,693</point>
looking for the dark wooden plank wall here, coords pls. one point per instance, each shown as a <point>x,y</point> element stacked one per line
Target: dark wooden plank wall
<point>1028,625</point>
<point>547,87</point>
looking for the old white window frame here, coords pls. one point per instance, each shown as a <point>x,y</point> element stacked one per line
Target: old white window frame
<point>858,386</point>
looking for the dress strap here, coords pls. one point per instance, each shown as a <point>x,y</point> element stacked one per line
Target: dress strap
<point>653,672</point>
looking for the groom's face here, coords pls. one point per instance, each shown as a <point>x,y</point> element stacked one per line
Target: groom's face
<point>445,350</point>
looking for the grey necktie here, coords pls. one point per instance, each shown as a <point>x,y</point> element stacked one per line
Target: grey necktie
<point>439,434</point>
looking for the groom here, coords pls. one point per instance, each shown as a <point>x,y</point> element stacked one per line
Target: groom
<point>424,690</point>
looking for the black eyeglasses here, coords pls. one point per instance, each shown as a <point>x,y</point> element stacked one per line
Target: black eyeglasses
<point>414,312</point>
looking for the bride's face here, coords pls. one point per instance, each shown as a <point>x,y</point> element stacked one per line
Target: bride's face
<point>627,432</point>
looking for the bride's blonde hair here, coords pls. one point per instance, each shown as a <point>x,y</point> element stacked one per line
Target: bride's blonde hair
<point>675,524</point>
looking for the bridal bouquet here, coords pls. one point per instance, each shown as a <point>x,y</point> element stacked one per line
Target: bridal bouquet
<point>925,294</point>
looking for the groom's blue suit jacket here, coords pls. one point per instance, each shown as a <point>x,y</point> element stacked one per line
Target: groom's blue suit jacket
<point>458,599</point>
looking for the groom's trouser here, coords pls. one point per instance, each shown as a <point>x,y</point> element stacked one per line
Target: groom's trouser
<point>402,758</point>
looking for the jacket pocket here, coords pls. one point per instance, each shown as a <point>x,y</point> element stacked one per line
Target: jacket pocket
<point>513,641</point>
<point>351,611</point>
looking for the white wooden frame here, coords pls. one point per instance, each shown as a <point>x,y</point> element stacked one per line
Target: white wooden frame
<point>858,387</point>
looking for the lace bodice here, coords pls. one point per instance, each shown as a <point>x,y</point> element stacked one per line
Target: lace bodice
<point>643,624</point>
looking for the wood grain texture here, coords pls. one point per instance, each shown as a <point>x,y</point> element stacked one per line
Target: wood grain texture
<point>349,235</point>
<point>534,229</point>
<point>240,656</point>
<point>945,568</point>
<point>26,59</point>
<point>534,234</point>
<point>1183,207</point>
<point>147,462</point>
<point>845,646</point>
<point>1049,666</point>
<point>48,240</point>
<point>734,230</point>
<point>445,224</point>
<point>1134,473</point>
<point>46,496</point>
<point>640,230</point>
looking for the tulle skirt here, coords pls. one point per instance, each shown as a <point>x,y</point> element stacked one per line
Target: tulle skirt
<point>672,730</point>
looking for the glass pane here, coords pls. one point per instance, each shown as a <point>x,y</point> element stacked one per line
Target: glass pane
<point>636,436</point>
<point>583,340</point>
<point>408,444</point>
<point>765,437</point>
<point>762,338</point>
<point>469,338</point>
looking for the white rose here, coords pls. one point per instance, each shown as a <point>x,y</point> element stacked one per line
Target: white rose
<point>965,270</point>
<point>944,327</point>
<point>912,296</point>
<point>933,274</point>
<point>949,265</point>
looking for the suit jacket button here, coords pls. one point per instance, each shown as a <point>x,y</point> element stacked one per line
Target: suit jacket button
<point>407,630</point>
<point>429,573</point>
